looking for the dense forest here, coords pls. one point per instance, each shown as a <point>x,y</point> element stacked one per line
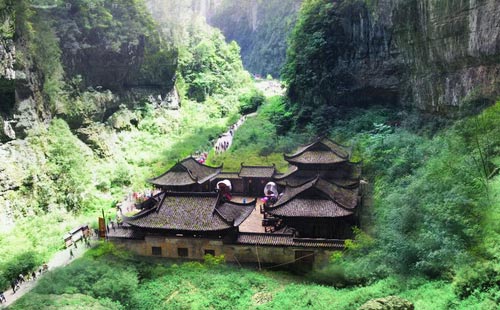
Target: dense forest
<point>96,97</point>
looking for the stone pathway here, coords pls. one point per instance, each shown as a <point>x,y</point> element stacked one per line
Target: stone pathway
<point>253,223</point>
<point>60,259</point>
<point>226,139</point>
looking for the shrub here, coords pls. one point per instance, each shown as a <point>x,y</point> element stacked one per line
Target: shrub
<point>251,101</point>
<point>479,278</point>
<point>20,264</point>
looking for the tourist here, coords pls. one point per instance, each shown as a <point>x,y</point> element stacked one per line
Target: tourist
<point>33,275</point>
<point>13,285</point>
<point>2,297</point>
<point>20,278</point>
<point>71,254</point>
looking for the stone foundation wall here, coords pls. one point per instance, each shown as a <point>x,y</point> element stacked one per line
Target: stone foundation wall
<point>235,253</point>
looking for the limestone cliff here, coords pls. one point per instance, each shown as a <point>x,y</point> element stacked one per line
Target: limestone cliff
<point>260,27</point>
<point>451,49</point>
<point>440,56</point>
<point>49,53</point>
<point>21,100</point>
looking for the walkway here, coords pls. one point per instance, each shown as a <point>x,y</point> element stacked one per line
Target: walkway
<point>226,139</point>
<point>60,259</point>
<point>253,223</point>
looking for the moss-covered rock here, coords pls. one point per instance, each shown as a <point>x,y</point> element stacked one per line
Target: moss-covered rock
<point>387,303</point>
<point>123,119</point>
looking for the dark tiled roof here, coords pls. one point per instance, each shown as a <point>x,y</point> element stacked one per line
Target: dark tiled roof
<point>288,240</point>
<point>227,175</point>
<point>237,212</point>
<point>346,183</point>
<point>331,200</point>
<point>293,181</point>
<point>355,170</point>
<point>200,171</point>
<point>324,151</point>
<point>291,191</point>
<point>345,197</point>
<point>310,208</point>
<point>192,212</point>
<point>186,172</point>
<point>257,171</point>
<point>291,170</point>
<point>296,181</point>
<point>296,177</point>
<point>316,157</point>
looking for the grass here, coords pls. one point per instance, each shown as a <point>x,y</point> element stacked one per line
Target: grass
<point>256,143</point>
<point>164,284</point>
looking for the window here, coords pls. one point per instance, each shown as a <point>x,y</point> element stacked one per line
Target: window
<point>210,252</point>
<point>182,252</point>
<point>156,250</point>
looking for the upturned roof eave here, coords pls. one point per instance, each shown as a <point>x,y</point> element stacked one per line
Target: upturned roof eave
<point>307,147</point>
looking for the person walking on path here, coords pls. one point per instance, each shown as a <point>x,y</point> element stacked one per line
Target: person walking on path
<point>2,297</point>
<point>33,275</point>
<point>71,253</point>
<point>14,286</point>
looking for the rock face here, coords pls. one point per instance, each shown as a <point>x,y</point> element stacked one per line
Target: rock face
<point>452,51</point>
<point>440,56</point>
<point>19,88</point>
<point>114,46</point>
<point>261,29</point>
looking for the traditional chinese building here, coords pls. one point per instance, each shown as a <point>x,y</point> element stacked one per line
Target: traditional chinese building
<point>320,192</point>
<point>324,158</point>
<point>311,218</point>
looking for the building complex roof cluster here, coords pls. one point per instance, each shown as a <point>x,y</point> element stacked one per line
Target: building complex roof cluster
<point>321,183</point>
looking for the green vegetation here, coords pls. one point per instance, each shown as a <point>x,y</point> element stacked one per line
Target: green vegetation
<point>208,65</point>
<point>434,200</point>
<point>108,277</point>
<point>102,146</point>
<point>309,68</point>
<point>430,235</point>
<point>256,141</point>
<point>6,20</point>
<point>261,29</point>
